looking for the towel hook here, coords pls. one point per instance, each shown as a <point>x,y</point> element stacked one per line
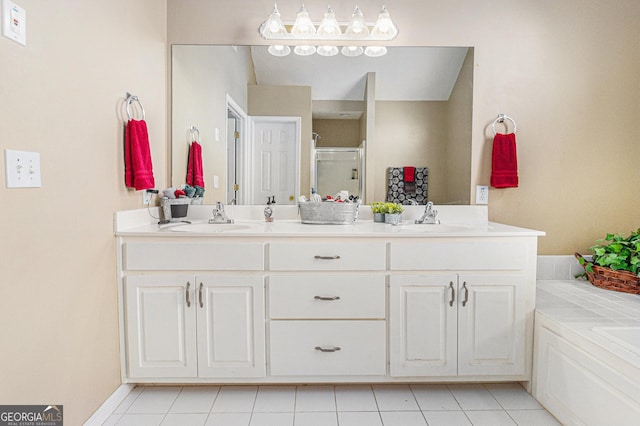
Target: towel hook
<point>194,134</point>
<point>500,119</point>
<point>133,98</point>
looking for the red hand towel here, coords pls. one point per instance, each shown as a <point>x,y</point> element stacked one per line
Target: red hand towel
<point>138,167</point>
<point>195,176</point>
<point>504,165</point>
<point>409,174</point>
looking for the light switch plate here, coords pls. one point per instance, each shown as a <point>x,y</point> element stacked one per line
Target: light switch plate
<point>22,169</point>
<point>14,22</point>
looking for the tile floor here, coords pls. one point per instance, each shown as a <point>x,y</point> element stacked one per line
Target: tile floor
<point>329,405</point>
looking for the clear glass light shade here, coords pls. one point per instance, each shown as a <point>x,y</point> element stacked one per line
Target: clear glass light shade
<point>384,27</point>
<point>352,51</point>
<point>274,25</point>
<point>279,50</point>
<point>327,50</point>
<point>357,27</point>
<point>304,50</point>
<point>303,25</point>
<point>375,51</point>
<point>329,26</point>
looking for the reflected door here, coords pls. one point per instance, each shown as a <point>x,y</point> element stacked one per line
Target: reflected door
<point>274,160</point>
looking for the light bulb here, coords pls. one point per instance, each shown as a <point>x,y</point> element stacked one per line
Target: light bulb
<point>384,27</point>
<point>327,50</point>
<point>329,26</point>
<point>352,51</point>
<point>375,51</point>
<point>304,50</point>
<point>303,25</point>
<point>279,50</point>
<point>357,27</point>
<point>273,24</point>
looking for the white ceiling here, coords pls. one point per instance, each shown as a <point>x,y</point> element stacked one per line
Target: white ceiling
<point>404,73</point>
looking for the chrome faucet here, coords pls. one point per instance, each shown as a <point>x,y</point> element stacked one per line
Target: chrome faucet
<point>429,215</point>
<point>219,216</point>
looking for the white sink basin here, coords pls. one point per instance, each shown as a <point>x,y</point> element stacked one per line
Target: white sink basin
<point>432,227</point>
<point>207,227</point>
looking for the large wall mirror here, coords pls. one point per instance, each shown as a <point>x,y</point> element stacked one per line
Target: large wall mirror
<point>411,107</point>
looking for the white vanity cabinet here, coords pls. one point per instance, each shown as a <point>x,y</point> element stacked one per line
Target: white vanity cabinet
<point>460,308</point>
<point>186,326</point>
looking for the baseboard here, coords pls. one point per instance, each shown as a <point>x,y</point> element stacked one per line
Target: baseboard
<point>109,406</point>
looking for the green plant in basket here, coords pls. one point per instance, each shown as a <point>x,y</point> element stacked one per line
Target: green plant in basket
<point>377,207</point>
<point>616,252</point>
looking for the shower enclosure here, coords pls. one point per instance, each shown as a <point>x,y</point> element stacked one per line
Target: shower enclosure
<point>338,169</point>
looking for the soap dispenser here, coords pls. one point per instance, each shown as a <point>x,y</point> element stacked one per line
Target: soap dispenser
<point>268,211</point>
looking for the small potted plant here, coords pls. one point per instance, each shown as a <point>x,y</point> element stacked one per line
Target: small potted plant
<point>378,211</point>
<point>393,213</point>
<point>615,264</point>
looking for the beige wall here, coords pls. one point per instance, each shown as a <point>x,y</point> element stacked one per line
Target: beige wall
<point>337,132</point>
<point>568,72</point>
<point>62,96</point>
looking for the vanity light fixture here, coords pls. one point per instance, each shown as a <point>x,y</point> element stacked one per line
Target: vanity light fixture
<point>326,37</point>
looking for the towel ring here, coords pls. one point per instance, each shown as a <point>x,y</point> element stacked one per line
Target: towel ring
<point>193,131</point>
<point>500,119</point>
<point>133,98</point>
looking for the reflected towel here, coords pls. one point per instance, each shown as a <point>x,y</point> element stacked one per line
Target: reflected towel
<point>138,167</point>
<point>504,161</point>
<point>409,178</point>
<point>195,176</point>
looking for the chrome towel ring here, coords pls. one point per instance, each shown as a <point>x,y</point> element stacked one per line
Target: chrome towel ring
<point>132,98</point>
<point>194,134</point>
<point>500,119</point>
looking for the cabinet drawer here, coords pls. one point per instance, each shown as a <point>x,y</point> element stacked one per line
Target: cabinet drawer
<point>327,296</point>
<point>458,255</point>
<point>295,348</point>
<point>193,256</point>
<point>327,256</point>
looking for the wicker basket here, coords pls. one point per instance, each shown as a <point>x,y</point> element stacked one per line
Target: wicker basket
<point>607,278</point>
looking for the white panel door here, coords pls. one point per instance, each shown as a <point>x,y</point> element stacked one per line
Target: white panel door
<point>161,326</point>
<point>274,167</point>
<point>491,324</point>
<point>231,330</point>
<point>422,331</point>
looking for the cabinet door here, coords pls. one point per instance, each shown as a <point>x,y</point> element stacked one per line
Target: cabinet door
<point>491,324</point>
<point>422,330</point>
<point>231,328</point>
<point>161,326</point>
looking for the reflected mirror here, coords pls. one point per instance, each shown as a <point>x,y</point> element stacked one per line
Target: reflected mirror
<point>409,108</point>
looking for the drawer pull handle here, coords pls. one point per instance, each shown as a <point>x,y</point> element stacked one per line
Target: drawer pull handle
<point>326,257</point>
<point>466,294</point>
<point>321,349</point>
<point>327,298</point>
<point>453,293</point>
<point>200,295</point>
<point>186,292</point>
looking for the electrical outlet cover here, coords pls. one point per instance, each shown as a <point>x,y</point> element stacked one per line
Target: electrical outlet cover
<point>482,194</point>
<point>14,22</point>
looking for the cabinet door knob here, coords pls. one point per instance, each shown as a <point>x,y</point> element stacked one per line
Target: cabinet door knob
<point>466,293</point>
<point>327,297</point>
<point>326,257</point>
<point>187,295</point>
<point>453,293</point>
<point>200,295</point>
<point>321,349</point>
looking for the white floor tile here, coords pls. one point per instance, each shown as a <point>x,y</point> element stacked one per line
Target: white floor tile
<point>154,400</point>
<point>228,419</point>
<point>316,419</point>
<point>355,398</point>
<point>474,397</point>
<point>434,397</point>
<point>359,418</point>
<point>533,418</point>
<point>140,420</point>
<point>235,399</point>
<point>315,398</point>
<point>195,399</point>
<point>182,419</point>
<point>512,396</point>
<point>271,419</point>
<point>395,398</point>
<point>124,405</point>
<point>402,418</point>
<point>490,418</point>
<point>275,399</point>
<point>446,418</point>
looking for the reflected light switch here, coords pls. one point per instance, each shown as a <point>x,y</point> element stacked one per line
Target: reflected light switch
<point>22,169</point>
<point>216,182</point>
<point>14,22</point>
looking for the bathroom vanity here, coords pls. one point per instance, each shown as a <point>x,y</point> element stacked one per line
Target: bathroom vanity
<point>284,302</point>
